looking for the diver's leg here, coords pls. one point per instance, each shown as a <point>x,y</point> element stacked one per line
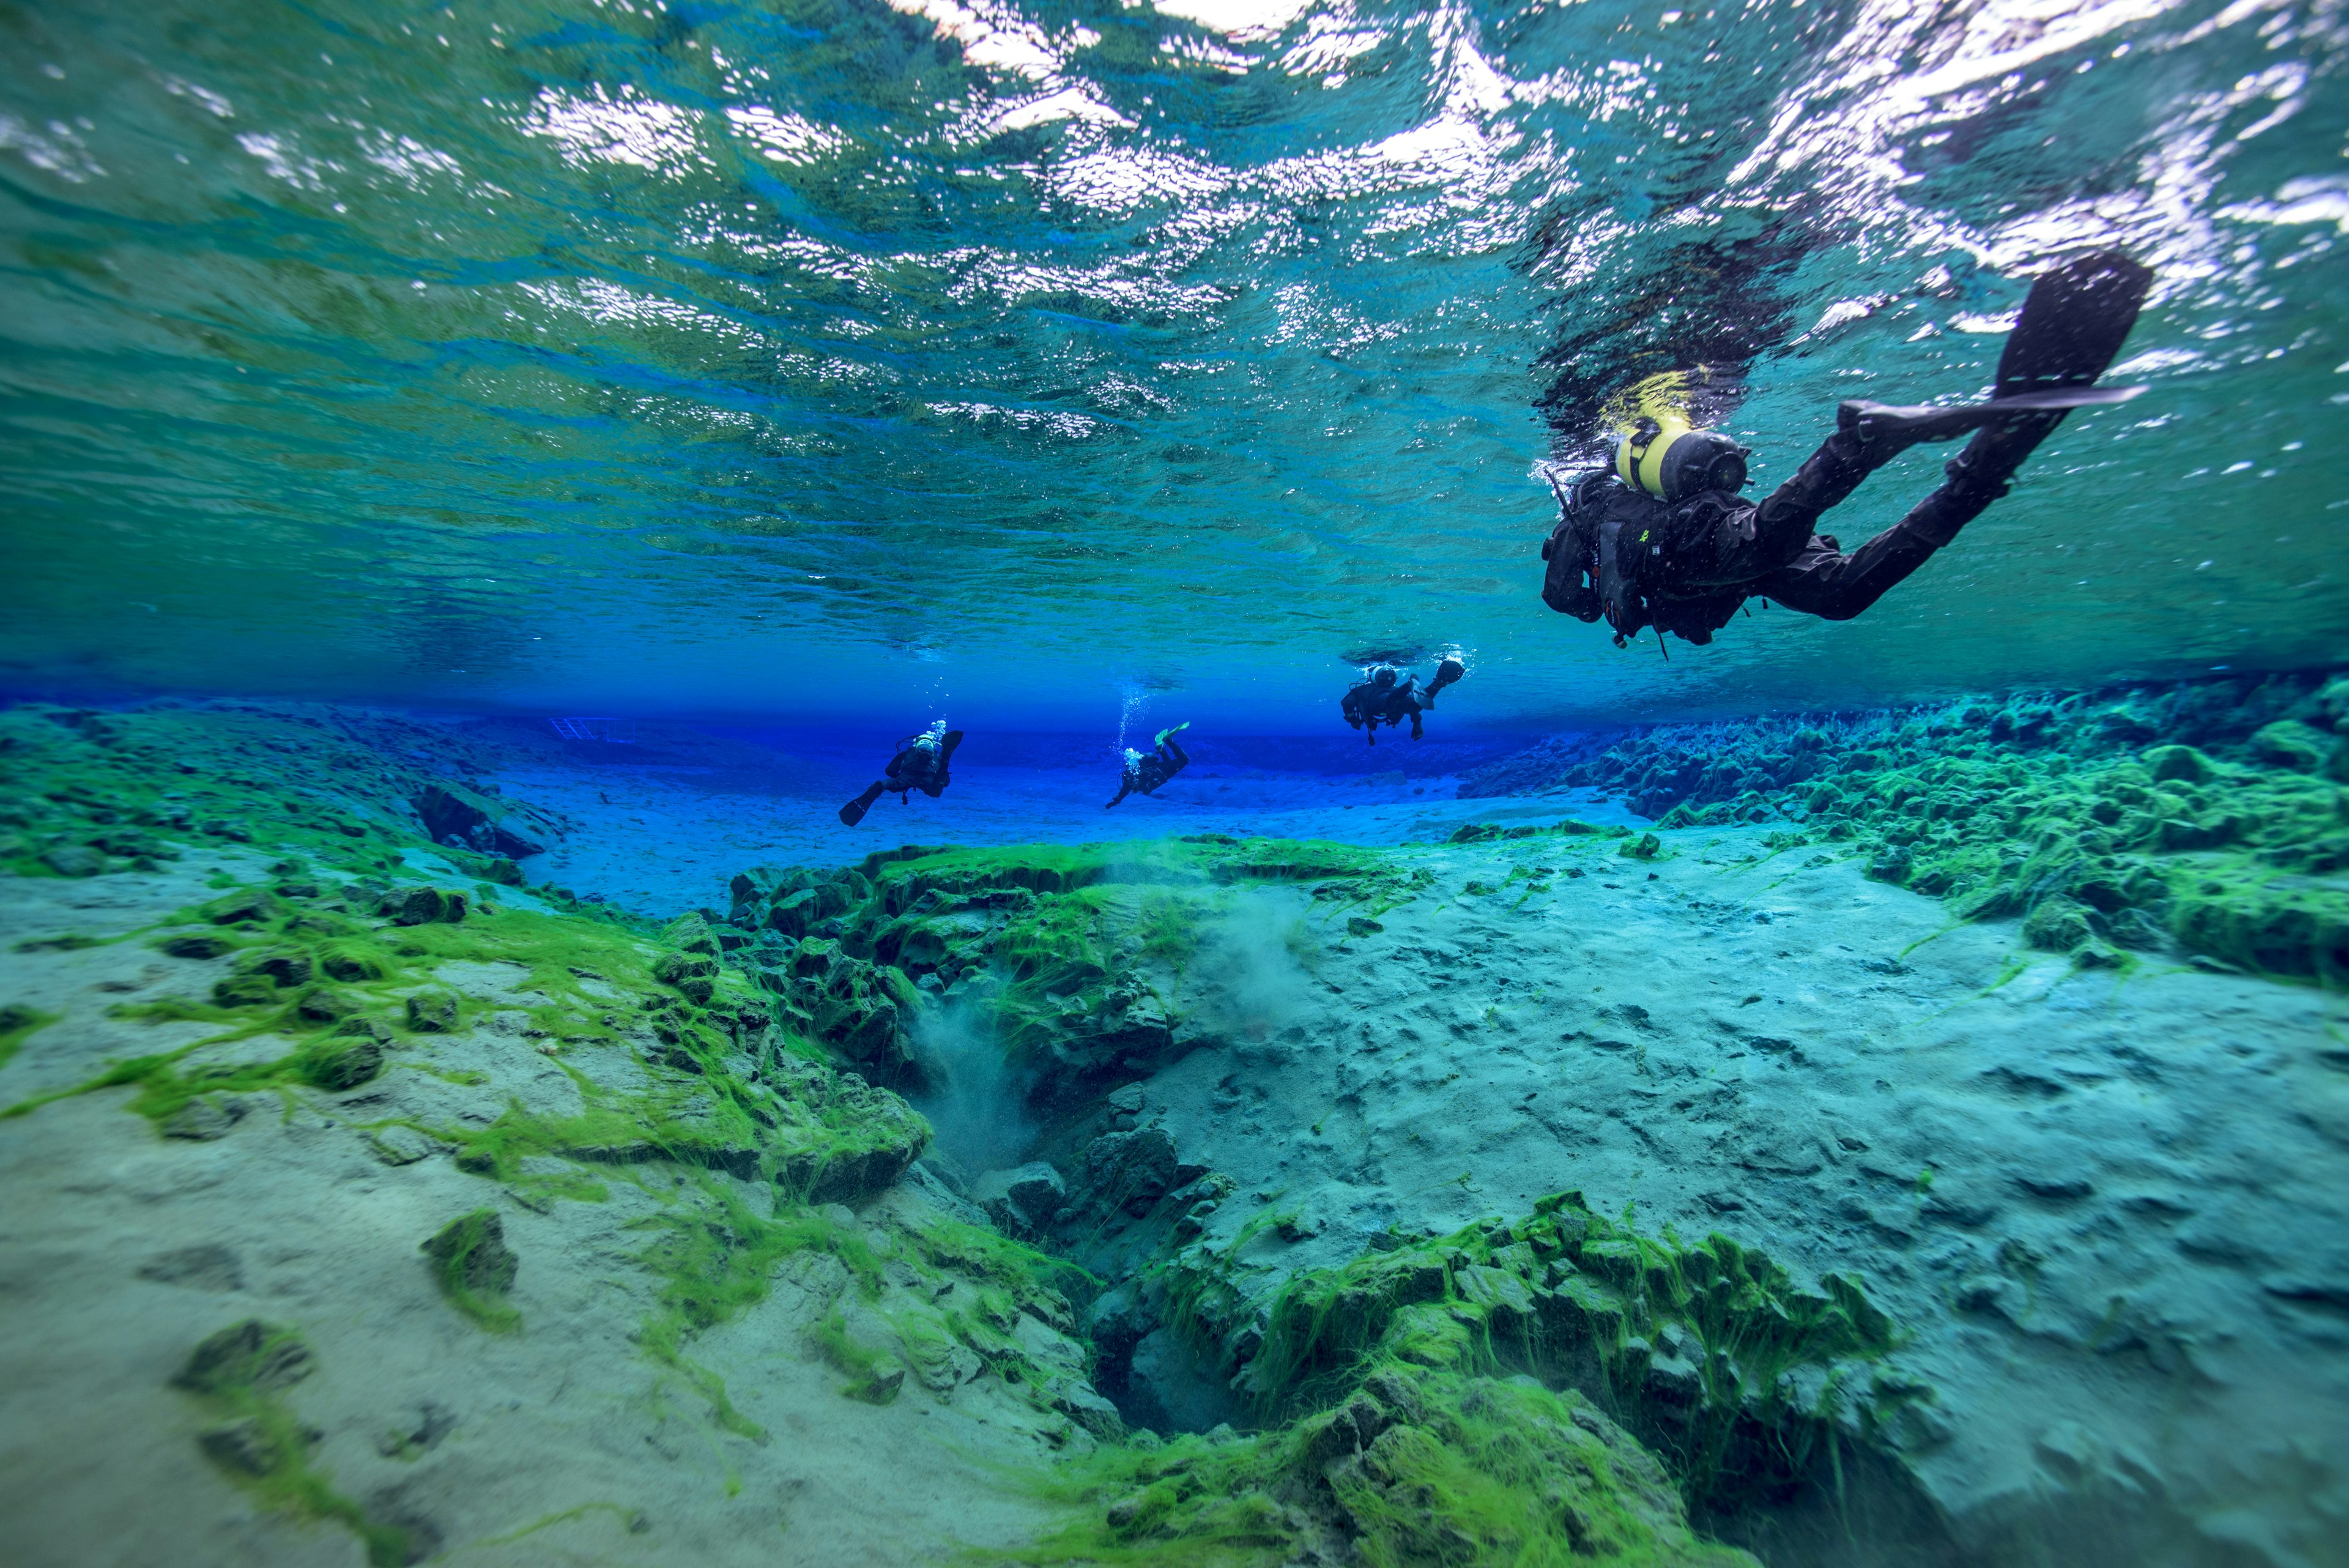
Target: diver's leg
<point>1173,750</point>
<point>1822,583</point>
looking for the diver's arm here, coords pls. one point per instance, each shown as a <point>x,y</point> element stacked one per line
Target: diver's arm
<point>1125,788</point>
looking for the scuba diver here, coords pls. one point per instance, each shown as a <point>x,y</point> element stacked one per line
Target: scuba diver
<point>1145,772</point>
<point>1664,541</point>
<point>1388,695</point>
<point>920,764</point>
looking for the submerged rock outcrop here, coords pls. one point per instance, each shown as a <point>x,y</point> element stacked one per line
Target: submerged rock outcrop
<point>2210,815</point>
<point>1548,1192</point>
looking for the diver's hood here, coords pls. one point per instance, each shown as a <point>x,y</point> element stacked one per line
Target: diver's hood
<point>1670,462</point>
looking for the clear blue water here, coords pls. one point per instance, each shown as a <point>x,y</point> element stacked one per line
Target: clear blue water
<point>833,359</point>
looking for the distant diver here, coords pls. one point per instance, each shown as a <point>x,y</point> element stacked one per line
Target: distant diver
<point>1145,771</point>
<point>1388,696</point>
<point>1664,541</point>
<point>920,764</point>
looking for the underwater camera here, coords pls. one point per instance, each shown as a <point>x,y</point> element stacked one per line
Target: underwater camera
<point>1671,462</point>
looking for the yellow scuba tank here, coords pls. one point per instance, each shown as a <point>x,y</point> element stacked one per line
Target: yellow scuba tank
<point>1664,457</point>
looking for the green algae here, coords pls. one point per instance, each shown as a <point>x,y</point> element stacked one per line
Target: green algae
<point>2207,815</point>
<point>19,1024</point>
<point>1418,1466</point>
<point>240,1375</point>
<point>1746,1381</point>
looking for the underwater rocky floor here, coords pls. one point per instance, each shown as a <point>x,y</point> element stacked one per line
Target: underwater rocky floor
<point>1926,1144</point>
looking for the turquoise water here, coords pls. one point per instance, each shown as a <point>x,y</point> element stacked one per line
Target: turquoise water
<point>484,483</point>
<point>811,357</point>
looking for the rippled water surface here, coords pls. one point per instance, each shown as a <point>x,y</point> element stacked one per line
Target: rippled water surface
<point>830,356</point>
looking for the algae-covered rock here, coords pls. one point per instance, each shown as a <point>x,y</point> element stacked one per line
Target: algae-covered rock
<point>478,820</point>
<point>250,906</point>
<point>691,933</point>
<point>475,1267</point>
<point>424,906</point>
<point>1023,1201</point>
<point>2179,765</point>
<point>204,1119</point>
<point>244,990</point>
<point>342,1061</point>
<point>692,974</point>
<point>2289,743</point>
<point>251,1355</point>
<point>2057,925</point>
<point>282,968</point>
<point>432,1012</point>
<point>201,945</point>
<point>74,861</point>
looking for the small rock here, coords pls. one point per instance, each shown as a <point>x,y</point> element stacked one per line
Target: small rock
<point>1363,926</point>
<point>203,945</point>
<point>432,1012</point>
<point>245,1446</point>
<point>343,1062</point>
<point>472,1252</point>
<point>211,1267</point>
<point>412,1436</point>
<point>250,1354</point>
<point>286,969</point>
<point>74,861</point>
<point>320,1005</point>
<point>402,1145</point>
<point>201,1121</point>
<point>423,906</point>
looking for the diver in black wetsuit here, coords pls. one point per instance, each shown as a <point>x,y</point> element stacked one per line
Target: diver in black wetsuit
<point>1388,696</point>
<point>1663,540</point>
<point>1145,771</point>
<point>920,764</point>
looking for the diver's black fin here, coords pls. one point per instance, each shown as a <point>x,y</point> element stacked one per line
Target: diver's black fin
<point>2072,327</point>
<point>2073,323</point>
<point>854,812</point>
<point>1929,422</point>
<point>953,738</point>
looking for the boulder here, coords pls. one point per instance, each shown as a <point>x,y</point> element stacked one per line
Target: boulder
<point>423,906</point>
<point>2181,764</point>
<point>287,969</point>
<point>250,1354</point>
<point>1132,1171</point>
<point>74,861</point>
<point>343,1062</point>
<point>1022,1200</point>
<point>203,1120</point>
<point>2289,743</point>
<point>691,933</point>
<point>2057,925</point>
<point>471,1254</point>
<point>432,1012</point>
<point>478,821</point>
<point>200,945</point>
